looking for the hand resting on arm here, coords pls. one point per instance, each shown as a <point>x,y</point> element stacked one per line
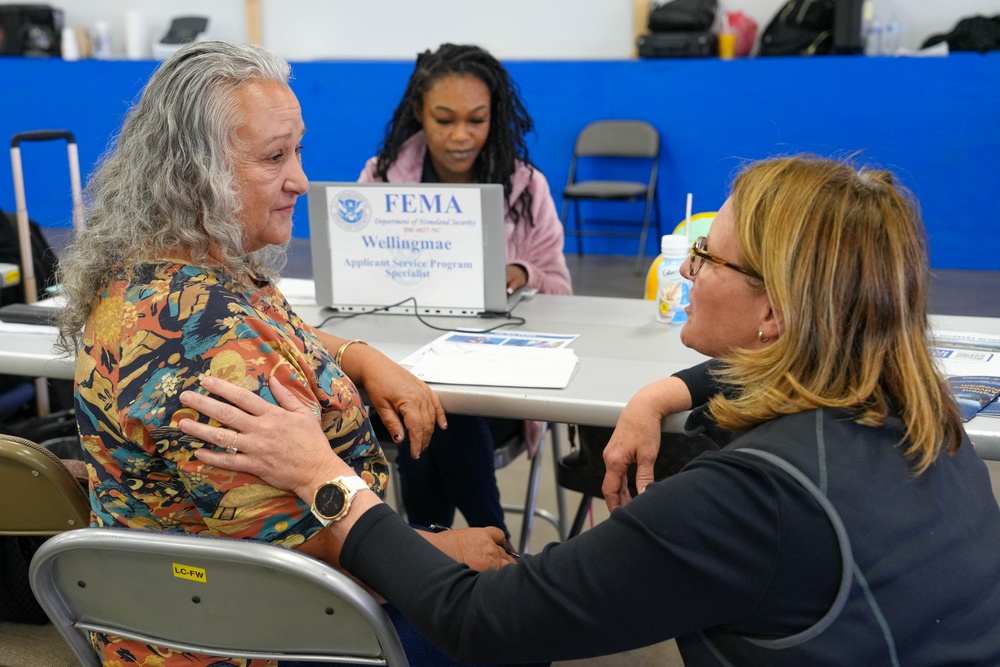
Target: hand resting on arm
<point>286,447</point>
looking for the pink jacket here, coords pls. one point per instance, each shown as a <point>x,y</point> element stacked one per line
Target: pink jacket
<point>538,248</point>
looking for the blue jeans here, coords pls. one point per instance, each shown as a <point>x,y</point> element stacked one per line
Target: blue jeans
<point>455,472</point>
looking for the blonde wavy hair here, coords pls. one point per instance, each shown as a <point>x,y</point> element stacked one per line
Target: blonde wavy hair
<point>844,262</point>
<point>167,181</point>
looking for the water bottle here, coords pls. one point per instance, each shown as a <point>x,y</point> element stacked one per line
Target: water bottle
<point>727,40</point>
<point>873,38</point>
<point>672,288</point>
<point>101,40</point>
<point>890,37</point>
<point>70,44</point>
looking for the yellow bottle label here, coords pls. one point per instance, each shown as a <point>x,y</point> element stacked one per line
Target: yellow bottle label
<point>653,279</point>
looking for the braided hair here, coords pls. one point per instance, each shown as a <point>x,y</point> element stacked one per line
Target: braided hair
<point>509,120</point>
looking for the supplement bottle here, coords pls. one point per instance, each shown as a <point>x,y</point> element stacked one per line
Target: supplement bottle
<point>672,288</point>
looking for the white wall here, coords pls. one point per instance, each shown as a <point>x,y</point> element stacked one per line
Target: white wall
<point>918,19</point>
<point>511,29</point>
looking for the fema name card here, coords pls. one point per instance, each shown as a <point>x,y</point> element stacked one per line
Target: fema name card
<point>421,241</point>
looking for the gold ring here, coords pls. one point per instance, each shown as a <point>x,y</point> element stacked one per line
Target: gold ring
<point>231,449</point>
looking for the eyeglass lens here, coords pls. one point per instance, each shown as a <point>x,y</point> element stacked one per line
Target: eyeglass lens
<point>696,259</point>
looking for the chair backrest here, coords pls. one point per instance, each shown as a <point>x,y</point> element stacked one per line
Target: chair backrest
<point>618,138</point>
<point>40,496</point>
<point>504,453</point>
<point>211,596</point>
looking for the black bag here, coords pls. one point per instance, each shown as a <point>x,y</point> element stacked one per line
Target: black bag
<point>683,15</point>
<point>50,430</point>
<point>10,253</point>
<point>30,30</point>
<point>698,44</point>
<point>801,28</point>
<point>17,603</point>
<point>45,263</point>
<point>974,33</point>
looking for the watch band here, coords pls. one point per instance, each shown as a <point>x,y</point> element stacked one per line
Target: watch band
<point>332,500</point>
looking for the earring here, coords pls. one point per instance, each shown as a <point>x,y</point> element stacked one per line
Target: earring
<point>762,338</point>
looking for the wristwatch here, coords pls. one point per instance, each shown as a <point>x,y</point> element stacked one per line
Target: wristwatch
<point>333,499</point>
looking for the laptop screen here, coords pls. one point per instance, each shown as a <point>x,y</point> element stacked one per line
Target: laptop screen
<point>376,245</point>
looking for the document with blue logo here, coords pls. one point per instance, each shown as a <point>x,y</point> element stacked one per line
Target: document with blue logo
<point>497,359</point>
<point>379,244</point>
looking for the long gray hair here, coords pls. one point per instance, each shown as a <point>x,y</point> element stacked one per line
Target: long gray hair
<point>166,182</point>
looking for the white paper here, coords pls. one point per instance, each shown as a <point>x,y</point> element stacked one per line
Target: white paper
<point>28,329</point>
<point>958,362</point>
<point>298,291</point>
<point>498,359</point>
<point>57,301</point>
<point>966,353</point>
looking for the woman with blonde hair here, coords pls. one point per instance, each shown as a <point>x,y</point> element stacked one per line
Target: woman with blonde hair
<point>846,519</point>
<point>827,235</point>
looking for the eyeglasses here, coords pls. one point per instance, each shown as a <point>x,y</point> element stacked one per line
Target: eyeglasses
<point>699,255</point>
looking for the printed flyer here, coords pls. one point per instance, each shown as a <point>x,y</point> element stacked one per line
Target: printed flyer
<point>973,393</point>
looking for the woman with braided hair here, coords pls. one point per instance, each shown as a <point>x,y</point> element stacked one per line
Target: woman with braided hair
<point>461,120</point>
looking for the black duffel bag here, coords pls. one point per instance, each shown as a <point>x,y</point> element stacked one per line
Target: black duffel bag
<point>800,28</point>
<point>683,15</point>
<point>974,33</point>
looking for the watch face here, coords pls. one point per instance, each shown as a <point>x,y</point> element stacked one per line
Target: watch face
<point>330,500</point>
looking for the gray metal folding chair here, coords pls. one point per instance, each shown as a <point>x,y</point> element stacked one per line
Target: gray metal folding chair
<point>503,455</point>
<point>599,142</point>
<point>212,596</point>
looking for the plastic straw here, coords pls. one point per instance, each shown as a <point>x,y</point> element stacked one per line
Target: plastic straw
<point>687,217</point>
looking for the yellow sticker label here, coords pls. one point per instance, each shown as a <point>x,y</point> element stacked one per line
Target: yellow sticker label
<point>188,572</point>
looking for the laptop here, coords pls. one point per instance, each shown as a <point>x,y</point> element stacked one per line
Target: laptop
<point>429,248</point>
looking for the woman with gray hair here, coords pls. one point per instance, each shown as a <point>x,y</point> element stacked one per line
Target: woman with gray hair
<point>174,281</point>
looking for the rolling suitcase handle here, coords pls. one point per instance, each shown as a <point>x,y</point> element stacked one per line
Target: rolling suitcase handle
<point>23,232</point>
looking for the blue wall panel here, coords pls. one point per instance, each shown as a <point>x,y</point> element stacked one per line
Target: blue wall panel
<point>935,121</point>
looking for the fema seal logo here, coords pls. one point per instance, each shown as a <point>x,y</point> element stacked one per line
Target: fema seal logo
<point>351,210</point>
